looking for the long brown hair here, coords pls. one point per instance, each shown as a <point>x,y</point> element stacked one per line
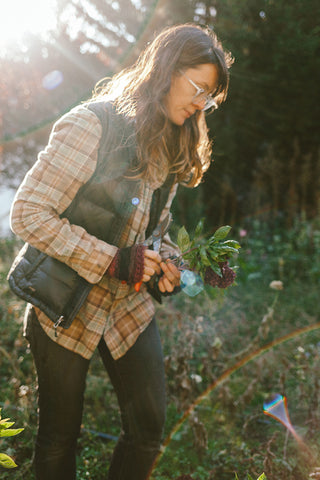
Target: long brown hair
<point>139,91</point>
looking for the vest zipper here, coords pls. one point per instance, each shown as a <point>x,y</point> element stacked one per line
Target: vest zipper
<point>80,301</point>
<point>56,325</point>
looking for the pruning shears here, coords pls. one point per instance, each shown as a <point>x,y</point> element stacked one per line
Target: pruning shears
<point>155,239</point>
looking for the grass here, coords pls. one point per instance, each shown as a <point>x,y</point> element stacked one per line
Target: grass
<point>225,355</point>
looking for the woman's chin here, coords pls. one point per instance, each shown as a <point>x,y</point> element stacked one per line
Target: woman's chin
<point>179,120</point>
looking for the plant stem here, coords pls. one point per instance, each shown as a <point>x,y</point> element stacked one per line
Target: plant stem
<point>184,253</point>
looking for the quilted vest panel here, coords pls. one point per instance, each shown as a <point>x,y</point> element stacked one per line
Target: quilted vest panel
<point>103,206</point>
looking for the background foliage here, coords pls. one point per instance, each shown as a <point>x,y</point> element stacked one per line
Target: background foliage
<point>266,142</point>
<point>225,355</point>
<point>264,181</point>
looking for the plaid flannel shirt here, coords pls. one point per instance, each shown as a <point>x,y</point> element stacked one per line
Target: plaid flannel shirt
<point>113,309</point>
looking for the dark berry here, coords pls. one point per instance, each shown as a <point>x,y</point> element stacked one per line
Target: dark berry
<point>213,279</point>
<point>228,276</point>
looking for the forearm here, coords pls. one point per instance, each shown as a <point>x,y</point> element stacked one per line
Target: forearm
<point>49,188</point>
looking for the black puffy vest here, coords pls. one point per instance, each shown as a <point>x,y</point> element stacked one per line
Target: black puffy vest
<point>103,207</point>
<point>104,204</point>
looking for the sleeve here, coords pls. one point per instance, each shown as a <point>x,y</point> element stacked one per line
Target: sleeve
<point>168,247</point>
<point>66,164</point>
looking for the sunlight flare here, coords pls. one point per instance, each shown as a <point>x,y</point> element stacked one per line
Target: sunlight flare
<point>20,17</point>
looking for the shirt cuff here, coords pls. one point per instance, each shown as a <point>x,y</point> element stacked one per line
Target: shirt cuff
<point>97,263</point>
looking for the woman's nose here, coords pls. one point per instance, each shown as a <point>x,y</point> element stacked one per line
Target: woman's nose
<point>199,103</point>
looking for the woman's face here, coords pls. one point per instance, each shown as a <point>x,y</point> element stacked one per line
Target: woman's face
<point>180,102</point>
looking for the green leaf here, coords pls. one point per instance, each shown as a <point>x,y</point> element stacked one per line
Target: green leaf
<point>198,266</point>
<point>4,420</point>
<point>214,252</point>
<point>204,257</point>
<point>218,248</point>
<point>199,228</point>
<point>4,424</point>
<point>234,244</point>
<point>188,257</point>
<point>262,477</point>
<point>192,262</point>
<point>215,267</point>
<point>10,432</point>
<point>222,232</point>
<point>6,461</point>
<point>227,249</point>
<point>183,239</point>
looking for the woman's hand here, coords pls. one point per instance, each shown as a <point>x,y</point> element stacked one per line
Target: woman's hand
<point>152,261</point>
<point>170,278</point>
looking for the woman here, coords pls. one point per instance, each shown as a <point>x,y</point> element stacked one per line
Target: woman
<point>93,200</point>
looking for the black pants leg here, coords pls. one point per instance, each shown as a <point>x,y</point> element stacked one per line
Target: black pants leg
<point>61,384</point>
<point>138,379</point>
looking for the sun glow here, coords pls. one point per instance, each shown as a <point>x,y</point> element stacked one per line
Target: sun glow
<point>19,17</point>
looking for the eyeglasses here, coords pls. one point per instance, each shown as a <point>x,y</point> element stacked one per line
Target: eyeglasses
<point>201,96</point>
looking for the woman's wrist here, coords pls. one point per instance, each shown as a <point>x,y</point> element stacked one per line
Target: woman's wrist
<point>128,264</point>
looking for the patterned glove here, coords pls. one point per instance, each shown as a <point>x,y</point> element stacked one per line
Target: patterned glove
<point>128,264</point>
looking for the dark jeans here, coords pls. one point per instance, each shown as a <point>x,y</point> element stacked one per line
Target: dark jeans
<point>138,379</point>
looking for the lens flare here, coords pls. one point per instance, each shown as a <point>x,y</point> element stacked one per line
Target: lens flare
<point>278,409</point>
<point>230,371</point>
<point>135,201</point>
<point>52,80</point>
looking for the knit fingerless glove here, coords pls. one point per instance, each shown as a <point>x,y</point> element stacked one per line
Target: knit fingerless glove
<point>128,264</point>
<point>213,279</point>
